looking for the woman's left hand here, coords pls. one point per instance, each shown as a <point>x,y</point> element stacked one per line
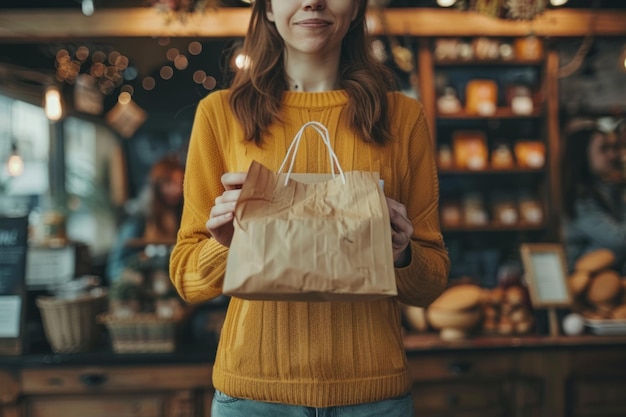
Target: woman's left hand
<point>401,232</point>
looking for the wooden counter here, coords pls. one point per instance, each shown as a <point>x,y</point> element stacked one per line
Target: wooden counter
<point>484,376</point>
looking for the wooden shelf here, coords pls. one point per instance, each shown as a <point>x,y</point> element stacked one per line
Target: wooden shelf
<point>501,113</point>
<point>489,62</point>
<point>491,171</point>
<point>494,227</point>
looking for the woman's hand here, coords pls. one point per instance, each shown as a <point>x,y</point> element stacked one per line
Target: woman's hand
<point>401,232</point>
<point>220,223</point>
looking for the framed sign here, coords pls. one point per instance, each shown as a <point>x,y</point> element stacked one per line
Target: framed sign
<point>546,274</point>
<point>13,250</point>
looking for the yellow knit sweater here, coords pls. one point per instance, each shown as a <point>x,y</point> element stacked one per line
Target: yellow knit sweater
<point>316,354</point>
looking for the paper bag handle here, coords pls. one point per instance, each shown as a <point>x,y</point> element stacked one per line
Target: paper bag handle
<point>295,143</point>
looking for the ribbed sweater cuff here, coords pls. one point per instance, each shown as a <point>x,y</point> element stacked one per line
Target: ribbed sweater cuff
<point>418,283</point>
<point>314,393</point>
<point>209,278</point>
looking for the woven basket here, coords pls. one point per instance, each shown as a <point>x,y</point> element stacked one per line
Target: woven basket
<point>70,324</point>
<point>142,332</point>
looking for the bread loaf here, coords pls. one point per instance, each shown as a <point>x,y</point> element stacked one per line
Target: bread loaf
<point>578,282</point>
<point>605,287</point>
<point>459,297</point>
<point>595,261</point>
<point>619,313</point>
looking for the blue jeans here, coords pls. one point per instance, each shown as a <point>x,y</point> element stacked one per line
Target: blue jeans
<point>227,406</point>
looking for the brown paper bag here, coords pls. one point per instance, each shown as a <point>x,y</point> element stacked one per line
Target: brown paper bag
<point>312,239</point>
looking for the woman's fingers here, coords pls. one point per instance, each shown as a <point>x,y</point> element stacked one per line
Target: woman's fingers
<point>216,222</point>
<point>233,180</point>
<point>228,197</point>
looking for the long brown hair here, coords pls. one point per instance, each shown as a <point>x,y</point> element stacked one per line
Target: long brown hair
<point>576,175</point>
<point>255,94</point>
<point>158,210</point>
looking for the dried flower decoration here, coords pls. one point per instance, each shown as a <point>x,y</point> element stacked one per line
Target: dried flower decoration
<point>181,10</point>
<point>524,9</point>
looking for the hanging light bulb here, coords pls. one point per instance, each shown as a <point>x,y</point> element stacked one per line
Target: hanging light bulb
<point>15,164</point>
<point>446,3</point>
<point>558,3</point>
<point>53,106</point>
<point>87,7</point>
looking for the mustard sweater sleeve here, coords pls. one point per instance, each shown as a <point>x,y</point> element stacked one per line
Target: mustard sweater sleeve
<point>425,278</point>
<point>198,262</point>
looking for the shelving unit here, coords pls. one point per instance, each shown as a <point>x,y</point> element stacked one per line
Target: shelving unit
<point>495,242</point>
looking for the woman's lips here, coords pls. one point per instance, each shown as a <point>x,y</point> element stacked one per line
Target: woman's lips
<point>313,23</point>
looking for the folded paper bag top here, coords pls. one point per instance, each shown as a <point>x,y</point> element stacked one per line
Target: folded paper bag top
<point>310,237</point>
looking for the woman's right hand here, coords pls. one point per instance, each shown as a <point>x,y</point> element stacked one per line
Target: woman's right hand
<point>220,223</point>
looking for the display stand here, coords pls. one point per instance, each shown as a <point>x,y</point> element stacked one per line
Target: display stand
<point>546,275</point>
<point>13,250</point>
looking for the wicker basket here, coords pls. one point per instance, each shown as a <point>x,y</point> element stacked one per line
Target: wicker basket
<point>70,324</point>
<point>142,332</point>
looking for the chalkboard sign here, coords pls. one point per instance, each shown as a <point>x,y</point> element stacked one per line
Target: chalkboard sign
<point>546,274</point>
<point>13,250</point>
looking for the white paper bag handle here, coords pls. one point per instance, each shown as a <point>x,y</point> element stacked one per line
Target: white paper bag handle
<point>295,143</point>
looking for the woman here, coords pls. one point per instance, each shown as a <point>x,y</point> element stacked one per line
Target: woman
<point>310,60</point>
<point>593,199</point>
<point>157,220</point>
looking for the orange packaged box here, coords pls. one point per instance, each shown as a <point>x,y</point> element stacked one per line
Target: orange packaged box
<point>481,97</point>
<point>470,150</point>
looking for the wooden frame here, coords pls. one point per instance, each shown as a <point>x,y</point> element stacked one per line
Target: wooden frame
<point>546,274</point>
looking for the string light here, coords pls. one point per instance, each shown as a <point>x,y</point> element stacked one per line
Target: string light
<point>446,3</point>
<point>87,7</point>
<point>15,164</point>
<point>53,106</point>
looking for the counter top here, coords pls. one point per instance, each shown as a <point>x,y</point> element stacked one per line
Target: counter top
<point>415,344</point>
<point>184,354</point>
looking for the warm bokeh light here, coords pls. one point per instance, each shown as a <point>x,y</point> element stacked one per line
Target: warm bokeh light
<point>113,57</point>
<point>195,48</point>
<point>199,76</point>
<point>124,97</point>
<point>148,83</point>
<point>181,62</point>
<point>52,104</point>
<point>172,53</point>
<point>446,3</point>
<point>558,2</point>
<point>15,165</point>
<point>82,53</point>
<point>166,72</point>
<point>242,61</point>
<point>127,88</point>
<point>209,83</point>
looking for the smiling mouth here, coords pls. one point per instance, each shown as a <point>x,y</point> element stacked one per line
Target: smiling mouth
<point>313,23</point>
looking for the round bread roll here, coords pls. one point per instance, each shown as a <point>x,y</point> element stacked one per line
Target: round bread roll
<point>578,282</point>
<point>515,295</point>
<point>605,287</point>
<point>619,313</point>
<point>459,297</point>
<point>595,261</point>
<point>505,326</point>
<point>497,295</point>
<point>523,327</point>
<point>415,317</point>
<point>490,325</point>
<point>519,314</point>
